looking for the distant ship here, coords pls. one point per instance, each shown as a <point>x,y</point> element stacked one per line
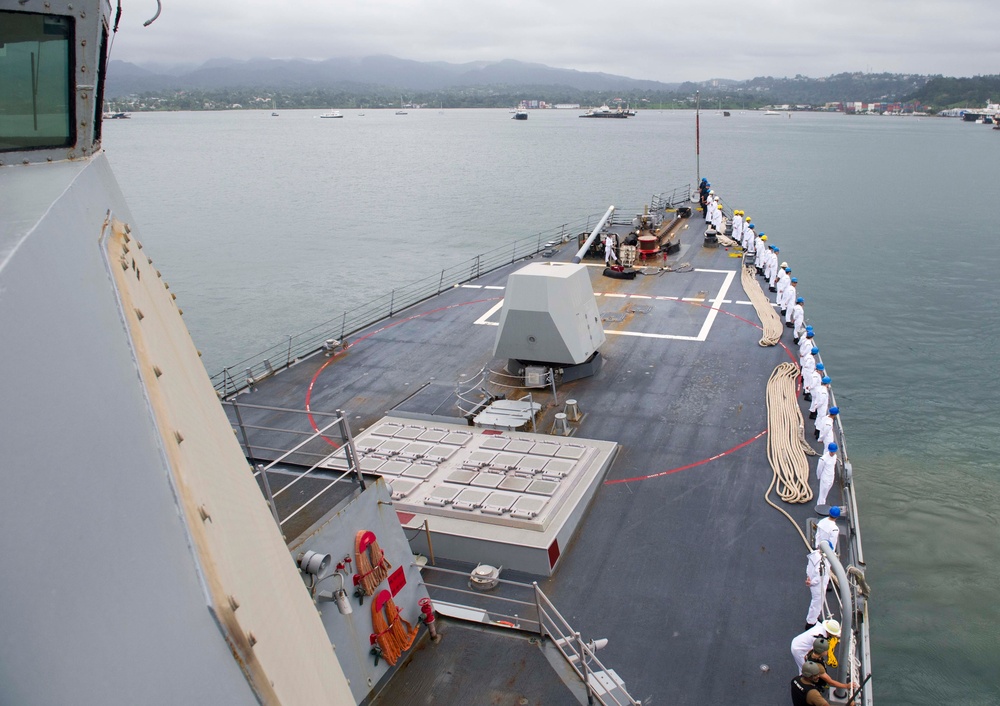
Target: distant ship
<point>606,112</point>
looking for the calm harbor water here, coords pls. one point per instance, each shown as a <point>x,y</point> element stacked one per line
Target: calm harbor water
<point>266,226</point>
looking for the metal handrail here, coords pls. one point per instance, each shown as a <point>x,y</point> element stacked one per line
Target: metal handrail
<point>294,348</point>
<point>548,623</point>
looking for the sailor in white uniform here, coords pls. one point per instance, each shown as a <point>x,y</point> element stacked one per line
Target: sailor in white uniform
<point>807,367</point>
<point>817,579</point>
<point>801,644</point>
<point>760,250</point>
<point>828,531</point>
<point>795,319</point>
<point>717,218</point>
<point>771,269</point>
<point>824,429</point>
<point>712,207</point>
<point>737,225</point>
<point>749,237</point>
<point>825,469</point>
<point>812,381</point>
<point>781,283</point>
<point>806,345</point>
<point>609,249</point>
<point>821,399</point>
<point>791,294</point>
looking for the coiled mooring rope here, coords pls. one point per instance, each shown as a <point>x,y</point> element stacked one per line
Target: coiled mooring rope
<point>373,567</point>
<point>393,634</point>
<point>769,319</point>
<point>786,445</point>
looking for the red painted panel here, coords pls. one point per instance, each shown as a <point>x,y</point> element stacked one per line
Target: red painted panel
<point>404,517</point>
<point>553,553</point>
<point>397,579</point>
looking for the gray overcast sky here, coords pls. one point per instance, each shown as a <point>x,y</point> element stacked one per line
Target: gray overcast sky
<point>646,39</point>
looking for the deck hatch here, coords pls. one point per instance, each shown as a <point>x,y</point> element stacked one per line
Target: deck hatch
<point>432,435</point>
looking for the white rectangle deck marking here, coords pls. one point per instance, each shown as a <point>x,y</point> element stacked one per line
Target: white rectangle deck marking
<point>615,294</point>
<point>494,286</point>
<point>471,286</point>
<point>714,311</point>
<point>482,320</point>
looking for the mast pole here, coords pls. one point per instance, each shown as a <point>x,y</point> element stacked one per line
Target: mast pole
<point>697,135</point>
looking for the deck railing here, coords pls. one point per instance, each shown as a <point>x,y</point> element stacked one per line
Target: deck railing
<point>335,331</point>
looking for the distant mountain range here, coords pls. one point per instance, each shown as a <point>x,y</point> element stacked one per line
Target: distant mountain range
<point>380,81</point>
<point>385,72</point>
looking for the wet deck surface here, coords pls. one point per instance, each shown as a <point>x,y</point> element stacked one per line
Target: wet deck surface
<point>696,582</point>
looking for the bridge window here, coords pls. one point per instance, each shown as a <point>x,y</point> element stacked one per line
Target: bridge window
<point>36,76</point>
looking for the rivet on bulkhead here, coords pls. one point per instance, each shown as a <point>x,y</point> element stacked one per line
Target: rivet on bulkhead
<point>156,371</point>
<point>138,313</point>
<point>233,603</point>
<point>251,638</point>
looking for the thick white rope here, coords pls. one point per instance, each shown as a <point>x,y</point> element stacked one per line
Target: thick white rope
<point>769,319</point>
<point>786,445</point>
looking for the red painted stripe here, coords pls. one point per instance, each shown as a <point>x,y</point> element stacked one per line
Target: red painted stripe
<point>690,465</point>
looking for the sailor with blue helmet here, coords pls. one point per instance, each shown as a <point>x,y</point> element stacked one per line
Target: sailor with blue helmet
<point>791,294</point>
<point>798,315</point>
<point>812,380</point>
<point>807,343</point>
<point>824,429</point>
<point>821,399</point>
<point>825,470</point>
<point>827,531</point>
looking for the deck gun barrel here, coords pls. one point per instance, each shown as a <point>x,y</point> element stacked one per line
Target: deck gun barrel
<point>597,229</point>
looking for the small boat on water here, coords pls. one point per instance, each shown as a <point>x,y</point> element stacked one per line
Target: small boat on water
<point>332,114</point>
<point>606,112</point>
<point>771,112</point>
<point>520,115</point>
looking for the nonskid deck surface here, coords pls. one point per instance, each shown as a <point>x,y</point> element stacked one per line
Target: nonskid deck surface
<point>697,583</point>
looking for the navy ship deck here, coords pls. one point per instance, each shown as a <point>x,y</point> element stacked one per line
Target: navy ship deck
<point>695,581</point>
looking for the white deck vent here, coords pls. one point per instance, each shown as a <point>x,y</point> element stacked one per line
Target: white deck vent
<point>484,578</point>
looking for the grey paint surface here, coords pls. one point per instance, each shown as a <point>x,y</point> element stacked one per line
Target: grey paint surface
<point>100,599</point>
